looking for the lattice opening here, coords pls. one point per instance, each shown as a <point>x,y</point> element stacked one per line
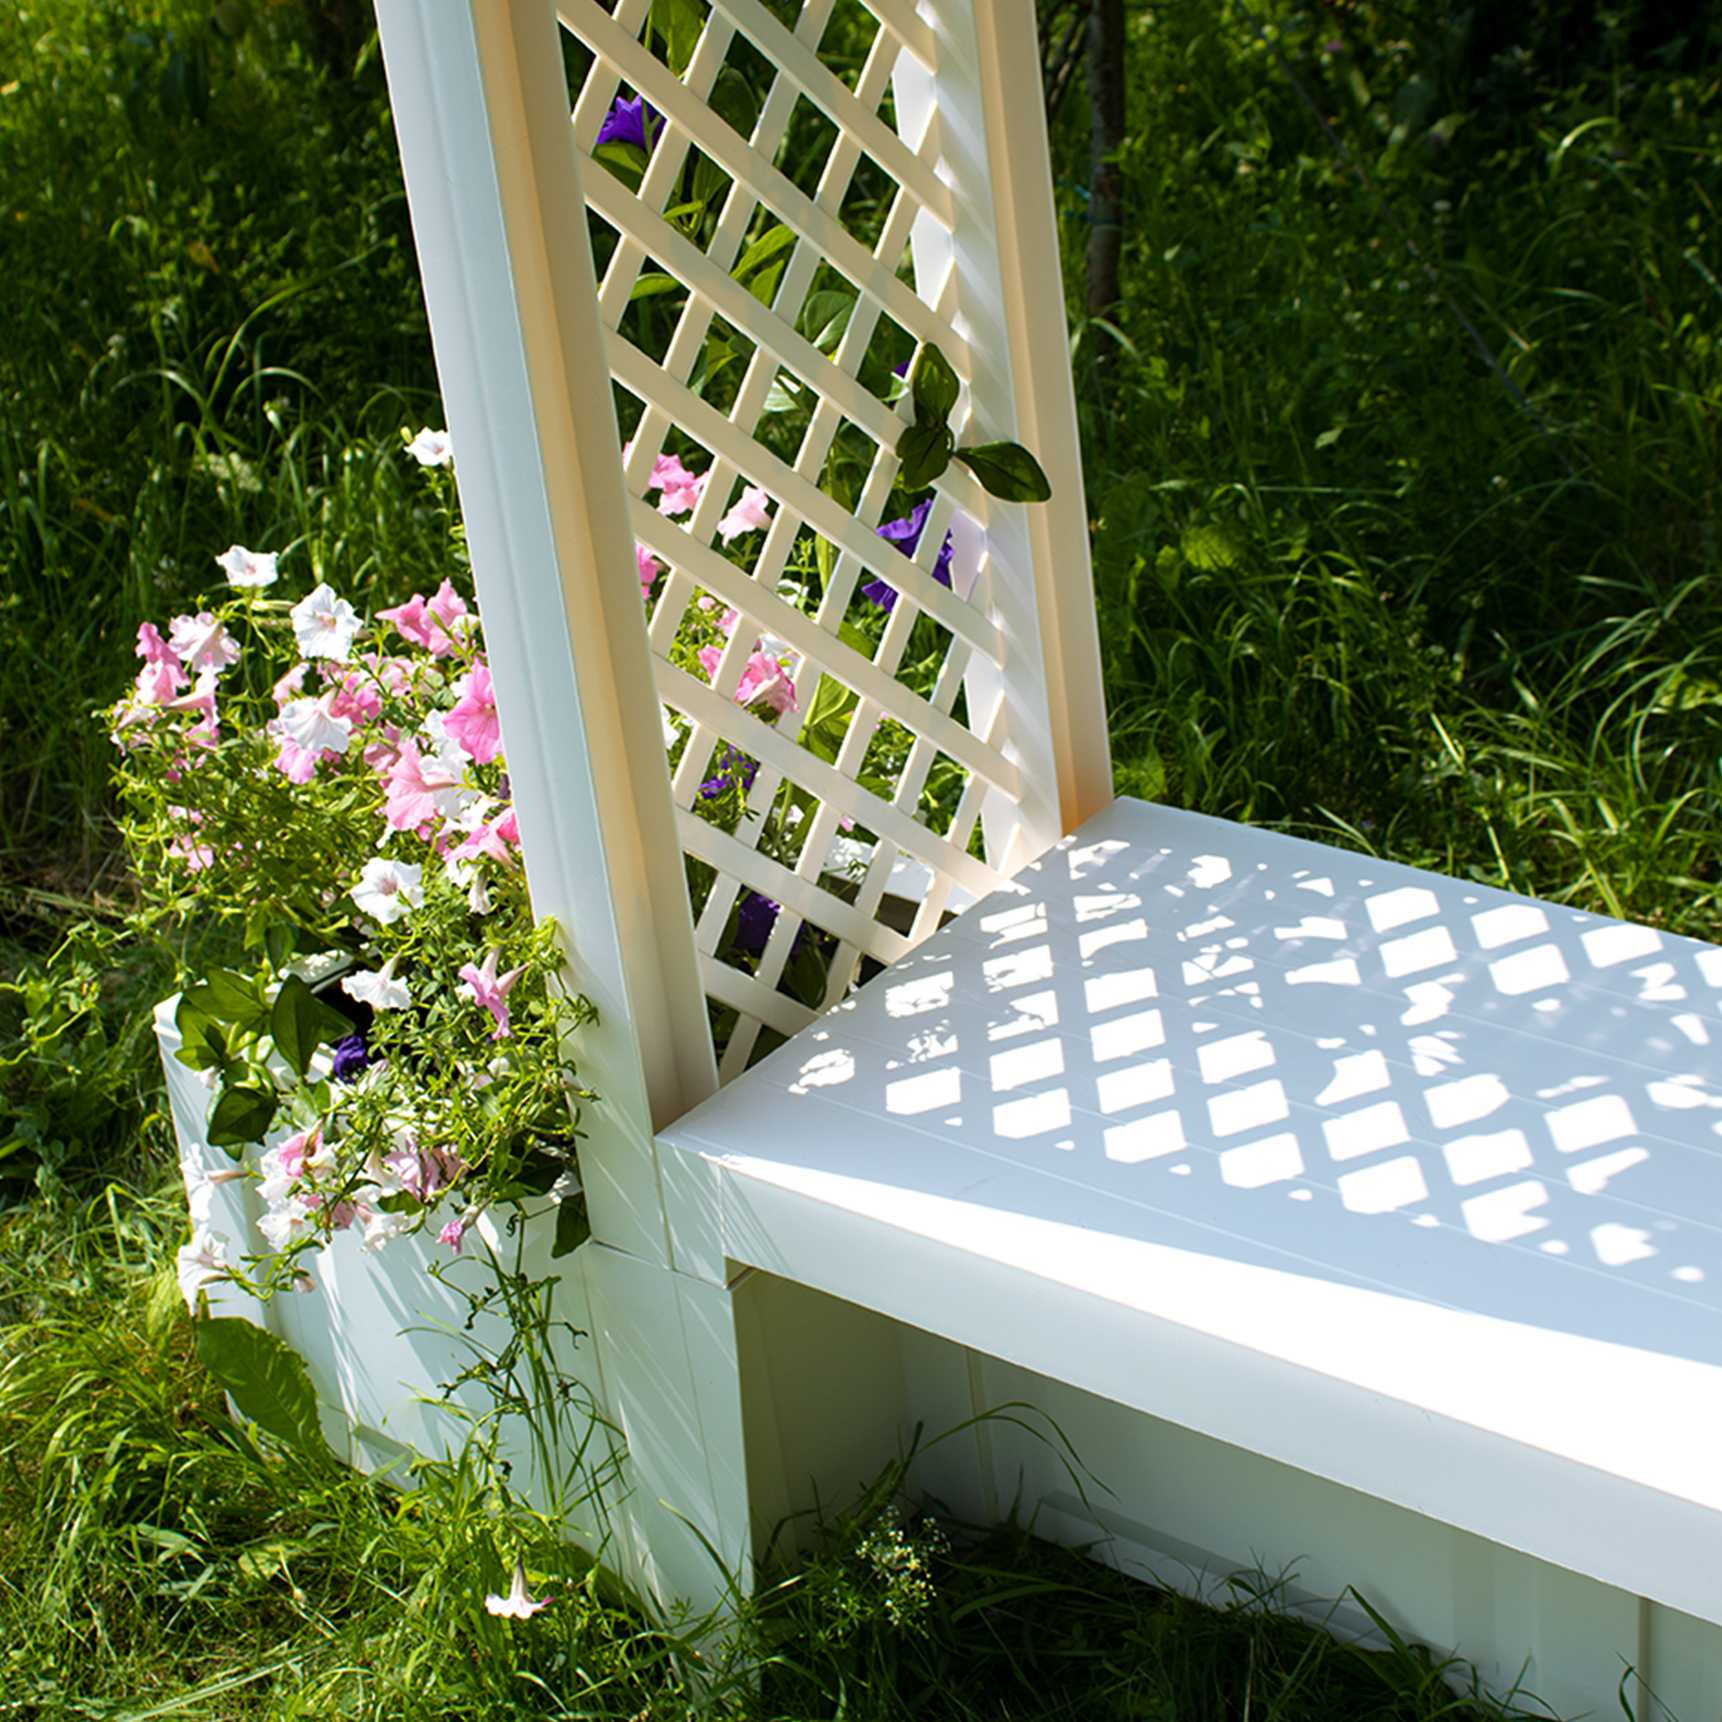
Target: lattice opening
<point>804,156</point>
<point>849,38</point>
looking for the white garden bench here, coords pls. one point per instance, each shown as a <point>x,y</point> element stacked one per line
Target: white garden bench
<point>1343,1216</point>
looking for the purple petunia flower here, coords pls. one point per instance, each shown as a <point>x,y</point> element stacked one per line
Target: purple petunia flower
<point>629,122</point>
<point>906,535</point>
<point>352,1056</point>
<point>734,767</point>
<point>754,920</point>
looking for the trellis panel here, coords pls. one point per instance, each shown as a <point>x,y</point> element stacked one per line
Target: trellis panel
<point>746,229</point>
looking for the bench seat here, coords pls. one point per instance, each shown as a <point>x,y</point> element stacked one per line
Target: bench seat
<point>1408,1182</point>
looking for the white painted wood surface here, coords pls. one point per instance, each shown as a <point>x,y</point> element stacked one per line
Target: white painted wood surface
<point>1207,1120</point>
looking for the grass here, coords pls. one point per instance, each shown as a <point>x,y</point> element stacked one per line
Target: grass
<point>1402,456</point>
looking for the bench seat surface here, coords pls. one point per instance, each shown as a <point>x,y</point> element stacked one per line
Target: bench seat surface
<point>1407,1181</point>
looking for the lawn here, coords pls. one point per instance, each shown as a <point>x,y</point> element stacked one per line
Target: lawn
<point>1402,454</point>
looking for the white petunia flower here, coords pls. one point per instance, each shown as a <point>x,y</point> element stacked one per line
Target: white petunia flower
<point>387,890</point>
<point>520,1603</point>
<point>324,625</point>
<point>203,1262</point>
<point>377,988</point>
<point>285,1225</point>
<point>251,569</point>
<point>431,447</point>
<point>307,723</point>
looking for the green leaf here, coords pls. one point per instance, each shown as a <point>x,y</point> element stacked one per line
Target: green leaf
<point>266,1377</point>
<point>232,997</point>
<point>301,1022</point>
<point>572,1229</point>
<point>763,249</point>
<point>243,1114</point>
<point>925,451</point>
<point>279,941</point>
<point>651,284</point>
<point>627,161</point>
<point>934,385</point>
<point>201,1044</point>
<point>825,316</point>
<point>1007,469</point>
<point>679,22</point>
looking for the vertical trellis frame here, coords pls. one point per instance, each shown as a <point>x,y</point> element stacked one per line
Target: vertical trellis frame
<point>531,338</point>
<point>494,186</point>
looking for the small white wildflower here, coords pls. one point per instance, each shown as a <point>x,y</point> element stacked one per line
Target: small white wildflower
<point>519,1604</point>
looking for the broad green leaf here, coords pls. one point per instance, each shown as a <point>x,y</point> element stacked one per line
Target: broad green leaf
<point>925,451</point>
<point>572,1229</point>
<point>763,286</point>
<point>232,997</point>
<point>734,101</point>
<point>278,944</point>
<point>825,316</point>
<point>301,1022</point>
<point>243,1114</point>
<point>679,23</point>
<point>934,386</point>
<point>1007,469</point>
<point>763,249</point>
<point>627,161</point>
<point>652,283</point>
<point>194,1023</point>
<point>266,1377</point>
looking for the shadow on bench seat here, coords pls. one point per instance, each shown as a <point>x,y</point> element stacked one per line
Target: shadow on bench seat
<point>1409,1183</point>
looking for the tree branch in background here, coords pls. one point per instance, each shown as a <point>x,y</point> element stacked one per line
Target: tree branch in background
<point>1058,63</point>
<point>1106,85</point>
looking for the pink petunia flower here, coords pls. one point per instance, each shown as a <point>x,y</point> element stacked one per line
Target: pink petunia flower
<point>418,623</point>
<point>152,648</point>
<point>650,568</point>
<point>473,722</point>
<point>354,698</point>
<point>490,990</point>
<point>414,783</point>
<point>201,703</point>
<point>764,680</point>
<point>422,1172</point>
<point>492,839</point>
<point>750,514</point>
<point>682,489</point>
<point>290,685</point>
<point>448,606</point>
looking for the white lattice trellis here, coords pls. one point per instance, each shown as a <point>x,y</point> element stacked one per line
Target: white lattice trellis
<point>909,753</point>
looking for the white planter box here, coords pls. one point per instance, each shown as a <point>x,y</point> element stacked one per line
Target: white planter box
<point>380,1335</point>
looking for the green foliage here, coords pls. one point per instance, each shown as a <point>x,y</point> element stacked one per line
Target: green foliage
<point>266,1377</point>
<point>927,447</point>
<point>1358,579</point>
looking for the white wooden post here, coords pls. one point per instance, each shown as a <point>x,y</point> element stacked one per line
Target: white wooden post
<point>493,179</point>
